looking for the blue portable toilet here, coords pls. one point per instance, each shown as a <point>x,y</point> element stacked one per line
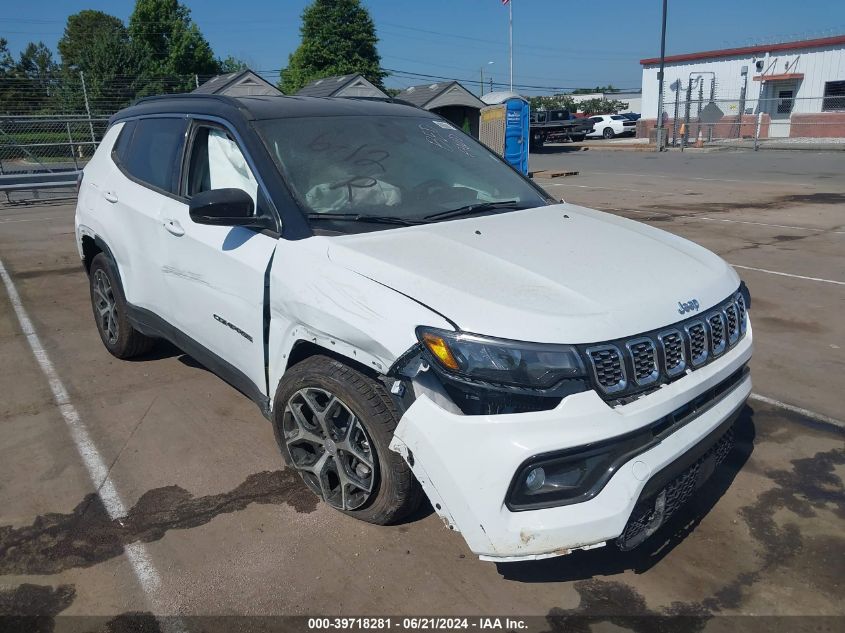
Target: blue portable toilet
<point>513,144</point>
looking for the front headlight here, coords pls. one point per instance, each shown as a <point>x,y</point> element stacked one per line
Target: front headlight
<point>518,364</point>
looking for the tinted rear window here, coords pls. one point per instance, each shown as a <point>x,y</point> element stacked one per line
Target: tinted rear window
<point>123,141</point>
<point>154,152</point>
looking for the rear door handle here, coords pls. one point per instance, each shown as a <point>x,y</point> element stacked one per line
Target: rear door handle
<point>174,227</point>
<point>111,196</point>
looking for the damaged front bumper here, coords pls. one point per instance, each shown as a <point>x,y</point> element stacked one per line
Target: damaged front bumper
<point>467,463</point>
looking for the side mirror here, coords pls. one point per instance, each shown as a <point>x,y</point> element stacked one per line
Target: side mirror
<point>226,207</point>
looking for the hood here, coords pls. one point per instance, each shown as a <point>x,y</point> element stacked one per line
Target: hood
<point>554,274</point>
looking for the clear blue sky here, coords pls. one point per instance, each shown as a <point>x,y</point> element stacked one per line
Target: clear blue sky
<point>565,44</point>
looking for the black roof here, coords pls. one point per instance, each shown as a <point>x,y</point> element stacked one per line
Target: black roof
<point>266,107</point>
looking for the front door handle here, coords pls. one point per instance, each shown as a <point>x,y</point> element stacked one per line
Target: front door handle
<point>111,196</point>
<point>174,227</point>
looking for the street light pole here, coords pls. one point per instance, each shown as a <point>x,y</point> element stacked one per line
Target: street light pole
<point>660,131</point>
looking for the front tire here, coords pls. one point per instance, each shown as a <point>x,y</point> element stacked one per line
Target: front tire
<point>334,425</point>
<point>608,133</point>
<point>110,314</point>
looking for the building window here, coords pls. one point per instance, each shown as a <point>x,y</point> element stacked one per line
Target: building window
<point>834,96</point>
<point>785,101</point>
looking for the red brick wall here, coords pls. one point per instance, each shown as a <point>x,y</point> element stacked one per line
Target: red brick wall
<point>821,125</point>
<point>728,127</point>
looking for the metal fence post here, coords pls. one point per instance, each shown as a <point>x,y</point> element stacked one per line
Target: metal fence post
<point>757,130</point>
<point>87,107</point>
<point>685,137</point>
<point>70,142</point>
<point>675,117</point>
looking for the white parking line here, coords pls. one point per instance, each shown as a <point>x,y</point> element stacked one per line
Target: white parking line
<point>777,226</point>
<point>682,216</point>
<point>27,220</point>
<point>146,573</point>
<point>562,184</point>
<point>679,177</point>
<point>818,417</point>
<point>776,272</point>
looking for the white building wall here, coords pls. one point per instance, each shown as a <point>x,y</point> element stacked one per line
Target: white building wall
<point>817,65</point>
<point>632,98</point>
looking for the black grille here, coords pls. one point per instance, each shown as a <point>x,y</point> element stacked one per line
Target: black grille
<point>623,370</point>
<point>678,491</point>
<point>717,333</point>
<point>733,322</point>
<point>698,343</point>
<point>607,365</point>
<point>740,306</point>
<point>673,352</point>
<point>644,357</point>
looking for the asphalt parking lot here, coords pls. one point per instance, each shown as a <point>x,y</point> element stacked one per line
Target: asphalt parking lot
<point>222,529</point>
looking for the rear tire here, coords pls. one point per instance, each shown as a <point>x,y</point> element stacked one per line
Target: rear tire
<point>608,133</point>
<point>577,138</point>
<point>110,314</point>
<point>334,425</point>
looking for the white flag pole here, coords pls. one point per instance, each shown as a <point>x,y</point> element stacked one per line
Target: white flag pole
<point>510,39</point>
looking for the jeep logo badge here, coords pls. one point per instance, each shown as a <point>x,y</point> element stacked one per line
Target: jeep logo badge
<point>688,306</point>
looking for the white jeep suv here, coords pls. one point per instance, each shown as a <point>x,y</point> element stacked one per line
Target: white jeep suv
<point>416,318</point>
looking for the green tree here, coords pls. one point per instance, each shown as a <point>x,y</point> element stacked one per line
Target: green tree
<point>36,73</point>
<point>231,65</point>
<point>602,106</point>
<point>587,91</point>
<point>554,102</point>
<point>338,37</point>
<point>81,30</point>
<point>8,89</point>
<point>112,76</point>
<point>97,44</point>
<point>171,46</point>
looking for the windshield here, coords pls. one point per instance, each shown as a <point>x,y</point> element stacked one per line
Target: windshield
<point>391,168</point>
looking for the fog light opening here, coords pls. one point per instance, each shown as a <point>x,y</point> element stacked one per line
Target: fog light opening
<point>535,479</point>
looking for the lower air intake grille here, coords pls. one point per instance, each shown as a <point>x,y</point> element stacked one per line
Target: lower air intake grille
<point>678,492</point>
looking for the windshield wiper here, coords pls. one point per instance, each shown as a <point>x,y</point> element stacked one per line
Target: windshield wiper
<point>359,217</point>
<point>476,207</point>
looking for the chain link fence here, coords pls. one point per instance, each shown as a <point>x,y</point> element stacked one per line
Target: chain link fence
<point>47,142</point>
<point>703,113</point>
<point>51,126</point>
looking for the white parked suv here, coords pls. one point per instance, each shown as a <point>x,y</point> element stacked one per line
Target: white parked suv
<point>610,125</point>
<point>416,318</point>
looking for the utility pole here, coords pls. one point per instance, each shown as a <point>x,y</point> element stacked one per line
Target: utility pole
<point>510,39</point>
<point>660,131</point>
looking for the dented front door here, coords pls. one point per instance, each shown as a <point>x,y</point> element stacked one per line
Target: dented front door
<point>215,275</point>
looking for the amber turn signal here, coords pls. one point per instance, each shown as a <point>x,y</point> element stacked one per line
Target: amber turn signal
<point>437,346</point>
